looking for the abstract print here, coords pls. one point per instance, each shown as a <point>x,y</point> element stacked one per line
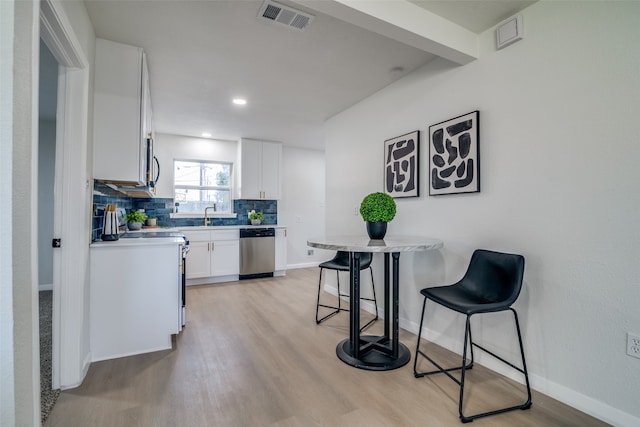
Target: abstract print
<point>401,165</point>
<point>454,156</point>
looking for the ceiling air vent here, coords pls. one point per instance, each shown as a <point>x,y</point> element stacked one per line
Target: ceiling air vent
<point>284,15</point>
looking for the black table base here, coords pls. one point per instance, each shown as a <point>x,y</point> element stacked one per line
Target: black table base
<point>375,354</point>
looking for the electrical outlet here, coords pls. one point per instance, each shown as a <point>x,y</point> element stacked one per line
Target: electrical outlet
<point>633,345</point>
<point>309,252</point>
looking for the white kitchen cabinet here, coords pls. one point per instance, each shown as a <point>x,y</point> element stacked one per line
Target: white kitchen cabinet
<point>198,259</point>
<point>225,257</point>
<point>281,251</point>
<point>122,113</point>
<point>259,175</point>
<point>135,298</point>
<point>214,255</point>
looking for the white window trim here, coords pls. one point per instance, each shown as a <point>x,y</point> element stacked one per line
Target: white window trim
<point>230,214</point>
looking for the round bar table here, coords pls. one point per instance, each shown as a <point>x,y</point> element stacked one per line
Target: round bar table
<point>375,353</point>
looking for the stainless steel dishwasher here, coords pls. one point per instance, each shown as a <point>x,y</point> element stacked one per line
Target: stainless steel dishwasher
<point>257,252</point>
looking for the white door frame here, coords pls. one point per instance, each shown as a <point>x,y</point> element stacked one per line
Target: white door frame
<point>70,355</point>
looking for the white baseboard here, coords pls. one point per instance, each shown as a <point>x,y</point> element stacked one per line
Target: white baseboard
<point>211,280</point>
<point>45,287</point>
<point>586,404</point>
<point>302,265</point>
<point>86,364</point>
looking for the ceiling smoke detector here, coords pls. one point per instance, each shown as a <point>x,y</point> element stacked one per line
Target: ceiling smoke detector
<point>284,15</point>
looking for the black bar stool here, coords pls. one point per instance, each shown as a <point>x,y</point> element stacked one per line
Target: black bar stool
<point>491,284</point>
<point>340,262</point>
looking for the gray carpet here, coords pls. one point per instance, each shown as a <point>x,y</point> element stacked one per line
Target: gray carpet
<point>48,396</point>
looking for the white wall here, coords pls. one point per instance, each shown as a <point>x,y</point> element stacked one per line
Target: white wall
<point>19,355</point>
<point>11,27</point>
<point>302,206</point>
<point>559,157</point>
<point>19,351</point>
<point>168,148</point>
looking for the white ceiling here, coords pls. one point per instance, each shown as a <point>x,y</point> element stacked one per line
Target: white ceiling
<point>201,54</point>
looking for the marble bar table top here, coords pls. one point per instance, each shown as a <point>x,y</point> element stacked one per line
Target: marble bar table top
<point>364,244</point>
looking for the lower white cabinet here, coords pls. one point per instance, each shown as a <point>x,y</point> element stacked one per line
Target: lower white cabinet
<point>135,297</point>
<point>198,259</point>
<point>225,257</point>
<point>213,254</point>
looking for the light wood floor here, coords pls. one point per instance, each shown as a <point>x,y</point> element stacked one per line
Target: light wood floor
<point>252,355</point>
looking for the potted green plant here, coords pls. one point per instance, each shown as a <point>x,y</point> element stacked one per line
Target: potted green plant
<point>377,209</point>
<point>256,218</point>
<point>135,219</point>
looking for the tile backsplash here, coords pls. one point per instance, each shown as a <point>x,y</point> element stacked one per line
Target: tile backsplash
<point>102,196</point>
<point>162,208</point>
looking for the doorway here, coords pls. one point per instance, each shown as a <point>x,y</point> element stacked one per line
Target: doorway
<point>47,107</point>
<point>71,220</point>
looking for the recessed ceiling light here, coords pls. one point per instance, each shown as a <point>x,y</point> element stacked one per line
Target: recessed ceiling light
<point>206,134</point>
<point>239,101</point>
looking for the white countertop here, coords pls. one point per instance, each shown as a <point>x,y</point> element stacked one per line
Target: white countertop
<point>156,241</point>
<point>227,227</point>
<point>173,240</point>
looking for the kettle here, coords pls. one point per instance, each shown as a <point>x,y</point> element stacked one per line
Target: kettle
<point>110,224</point>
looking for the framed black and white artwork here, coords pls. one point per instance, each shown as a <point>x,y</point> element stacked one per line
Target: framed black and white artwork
<point>401,172</point>
<point>454,157</point>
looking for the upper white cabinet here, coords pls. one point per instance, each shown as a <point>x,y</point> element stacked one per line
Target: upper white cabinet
<point>259,175</point>
<point>122,112</point>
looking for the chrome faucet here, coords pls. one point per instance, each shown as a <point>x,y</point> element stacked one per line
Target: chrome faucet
<point>206,220</point>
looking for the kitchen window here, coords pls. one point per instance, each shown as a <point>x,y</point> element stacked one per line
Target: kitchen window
<point>200,184</point>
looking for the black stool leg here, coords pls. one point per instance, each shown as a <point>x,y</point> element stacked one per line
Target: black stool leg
<point>418,352</point>
<point>339,308</point>
<point>318,305</point>
<point>467,338</point>
<point>318,300</point>
<point>439,369</point>
<point>525,405</point>
<point>373,286</point>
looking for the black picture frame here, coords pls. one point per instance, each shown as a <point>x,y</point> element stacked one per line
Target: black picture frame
<point>401,165</point>
<point>454,155</point>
